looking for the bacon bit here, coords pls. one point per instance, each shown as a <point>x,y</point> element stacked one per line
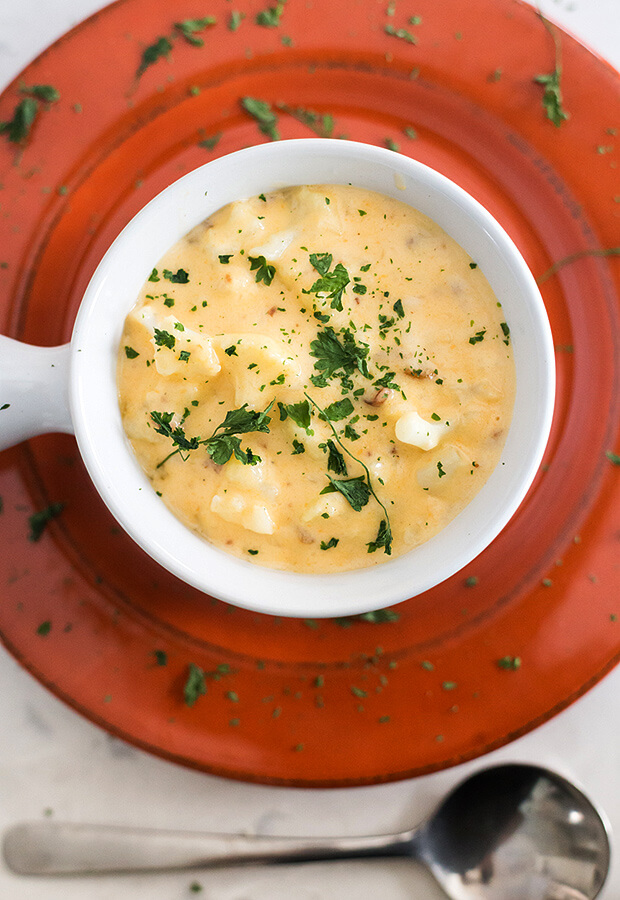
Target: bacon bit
<point>272,311</point>
<point>380,397</point>
<point>305,537</point>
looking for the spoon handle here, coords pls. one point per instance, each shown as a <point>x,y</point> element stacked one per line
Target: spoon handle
<point>51,848</point>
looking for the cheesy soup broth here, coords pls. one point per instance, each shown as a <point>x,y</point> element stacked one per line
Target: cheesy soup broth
<point>316,379</point>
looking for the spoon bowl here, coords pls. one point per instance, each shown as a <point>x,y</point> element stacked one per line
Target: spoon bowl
<point>510,832</point>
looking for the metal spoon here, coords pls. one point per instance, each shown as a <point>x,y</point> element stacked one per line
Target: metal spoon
<point>511,832</point>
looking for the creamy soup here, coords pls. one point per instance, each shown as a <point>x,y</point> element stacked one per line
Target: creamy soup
<point>316,379</point>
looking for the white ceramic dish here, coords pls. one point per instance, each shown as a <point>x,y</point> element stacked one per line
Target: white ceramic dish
<point>73,388</point>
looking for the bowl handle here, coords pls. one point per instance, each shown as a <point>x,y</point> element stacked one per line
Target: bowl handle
<point>34,391</point>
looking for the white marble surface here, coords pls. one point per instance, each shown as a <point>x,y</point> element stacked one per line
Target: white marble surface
<point>52,762</point>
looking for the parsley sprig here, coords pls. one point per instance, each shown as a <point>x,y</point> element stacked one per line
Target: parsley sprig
<point>223,443</point>
<point>552,94</point>
<point>332,284</point>
<point>162,46</point>
<point>357,491</point>
<point>337,356</point>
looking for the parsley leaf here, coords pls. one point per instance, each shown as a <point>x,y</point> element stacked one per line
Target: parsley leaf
<point>333,283</point>
<point>335,460</point>
<point>18,128</point>
<point>321,262</point>
<point>334,355</point>
<point>130,353</point>
<point>178,277</point>
<point>383,539</point>
<point>221,447</point>
<point>264,271</point>
<point>332,542</point>
<point>160,48</point>
<point>262,112</point>
<point>355,490</point>
<point>299,413</point>
<point>339,410</point>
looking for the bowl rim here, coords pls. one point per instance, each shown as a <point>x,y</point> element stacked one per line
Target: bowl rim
<point>125,488</point>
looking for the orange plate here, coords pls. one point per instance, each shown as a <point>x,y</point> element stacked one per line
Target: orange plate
<point>320,702</point>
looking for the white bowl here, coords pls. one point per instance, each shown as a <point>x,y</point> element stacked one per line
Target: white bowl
<point>92,389</point>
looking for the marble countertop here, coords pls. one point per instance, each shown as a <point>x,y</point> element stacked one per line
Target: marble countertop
<point>54,763</point>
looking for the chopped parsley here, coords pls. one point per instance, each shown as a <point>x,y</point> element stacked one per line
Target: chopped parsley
<point>39,520</point>
<point>235,20</point>
<point>164,339</point>
<point>188,28</point>
<point>270,17</point>
<point>130,353</point>
<point>552,93</point>
<point>17,129</point>
<point>210,143</point>
<point>161,48</point>
<point>264,115</point>
<point>509,662</point>
<point>195,685</point>
<point>402,33</point>
<point>332,542</point>
<point>321,125</point>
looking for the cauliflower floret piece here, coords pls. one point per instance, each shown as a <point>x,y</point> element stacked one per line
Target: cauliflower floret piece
<point>239,509</point>
<point>330,505</point>
<point>257,361</point>
<point>275,245</point>
<point>437,474</point>
<point>411,428</point>
<point>191,353</point>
